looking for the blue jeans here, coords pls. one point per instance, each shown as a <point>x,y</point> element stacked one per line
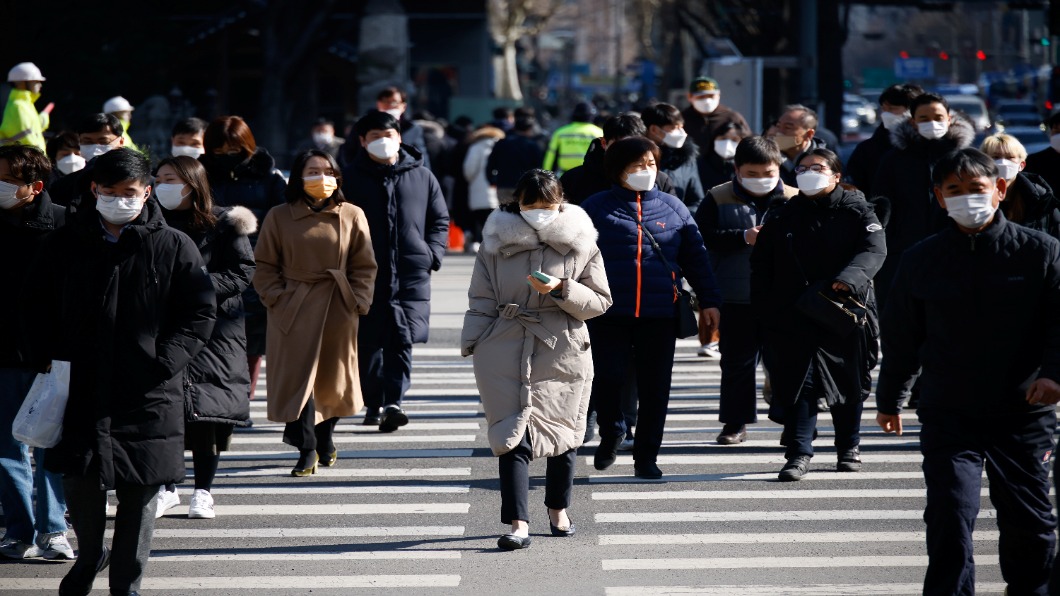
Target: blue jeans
<point>17,476</point>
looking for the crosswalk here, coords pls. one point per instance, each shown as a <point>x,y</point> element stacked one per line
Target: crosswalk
<point>418,511</point>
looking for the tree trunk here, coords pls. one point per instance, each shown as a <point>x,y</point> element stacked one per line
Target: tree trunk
<point>507,85</point>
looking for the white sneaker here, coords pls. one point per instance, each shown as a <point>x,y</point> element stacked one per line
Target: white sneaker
<point>16,549</point>
<point>166,501</point>
<point>709,350</point>
<point>201,505</point>
<point>55,547</point>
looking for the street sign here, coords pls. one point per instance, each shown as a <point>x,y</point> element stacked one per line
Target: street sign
<point>909,69</point>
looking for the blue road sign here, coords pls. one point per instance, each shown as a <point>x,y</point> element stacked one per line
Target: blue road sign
<point>914,68</point>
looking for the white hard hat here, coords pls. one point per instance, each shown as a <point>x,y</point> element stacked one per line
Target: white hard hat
<point>117,104</point>
<point>24,71</point>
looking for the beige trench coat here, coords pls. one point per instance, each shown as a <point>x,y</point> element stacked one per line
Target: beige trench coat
<point>533,363</point>
<point>315,274</point>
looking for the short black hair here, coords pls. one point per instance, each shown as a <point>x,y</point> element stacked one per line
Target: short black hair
<point>757,150</point>
<point>120,165</point>
<point>26,162</point>
<point>901,94</point>
<point>1052,120</point>
<point>621,154</point>
<point>624,126</point>
<point>100,121</point>
<point>829,156</point>
<point>189,126</point>
<point>927,99</point>
<point>63,140</point>
<point>376,120</point>
<point>661,114</point>
<point>322,121</point>
<point>964,162</point>
<point>725,128</point>
<point>502,113</point>
<point>525,123</point>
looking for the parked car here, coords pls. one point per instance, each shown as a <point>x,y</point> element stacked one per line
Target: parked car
<point>973,107</point>
<point>1013,110</point>
<point>865,111</point>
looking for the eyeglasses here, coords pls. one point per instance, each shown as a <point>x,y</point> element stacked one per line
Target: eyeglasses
<point>817,167</point>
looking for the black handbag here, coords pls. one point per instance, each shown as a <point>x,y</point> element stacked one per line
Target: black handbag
<point>837,313</point>
<point>686,305</point>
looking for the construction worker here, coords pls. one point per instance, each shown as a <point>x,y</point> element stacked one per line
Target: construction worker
<point>569,143</point>
<point>22,124</point>
<point>122,110</point>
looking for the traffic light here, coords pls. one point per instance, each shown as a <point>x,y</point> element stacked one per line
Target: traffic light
<point>980,55</point>
<point>904,55</point>
<point>1044,42</point>
<point>943,55</point>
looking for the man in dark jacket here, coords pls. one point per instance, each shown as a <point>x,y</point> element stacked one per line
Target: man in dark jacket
<point>406,212</point>
<point>133,304</point>
<point>866,158</point>
<point>705,112</point>
<point>97,134</point>
<point>581,182</point>
<point>512,156</point>
<point>904,178</point>
<point>796,137</point>
<point>1046,163</point>
<point>678,154</point>
<point>26,216</point>
<point>1002,415</point>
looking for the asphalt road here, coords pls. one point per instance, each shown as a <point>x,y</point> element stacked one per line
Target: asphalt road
<point>417,511</point>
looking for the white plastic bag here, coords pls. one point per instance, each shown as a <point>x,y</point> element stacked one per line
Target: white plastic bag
<point>39,422</point>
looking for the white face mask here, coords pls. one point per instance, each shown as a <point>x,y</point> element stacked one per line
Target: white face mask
<point>933,130</point>
<point>395,112</point>
<point>1054,142</point>
<point>675,138</point>
<point>171,195</point>
<point>641,180</point>
<point>323,139</point>
<point>1007,168</point>
<point>891,121</point>
<point>811,183</point>
<point>706,105</point>
<point>384,148</point>
<point>759,186</point>
<point>187,151</point>
<point>119,210</point>
<point>8,200</point>
<point>539,218</point>
<point>725,148</point>
<point>971,211</point>
<point>90,151</point>
<point>71,163</point>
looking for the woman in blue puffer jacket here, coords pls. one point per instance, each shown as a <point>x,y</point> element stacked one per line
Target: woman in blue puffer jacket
<point>641,326</point>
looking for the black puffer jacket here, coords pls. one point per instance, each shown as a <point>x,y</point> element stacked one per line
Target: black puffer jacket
<point>581,182</point>
<point>866,158</point>
<point>835,237</point>
<point>218,378</point>
<point>944,287</point>
<point>904,180</point>
<point>406,213</point>
<point>129,317</point>
<point>21,235</point>
<point>680,165</point>
<point>1031,203</point>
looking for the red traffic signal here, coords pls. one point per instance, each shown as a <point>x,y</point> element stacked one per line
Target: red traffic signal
<point>980,55</point>
<point>904,55</point>
<point>944,56</point>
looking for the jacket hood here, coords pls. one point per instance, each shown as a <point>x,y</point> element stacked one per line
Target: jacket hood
<point>486,132</point>
<point>960,135</point>
<point>431,126</point>
<point>241,219</point>
<point>506,232</point>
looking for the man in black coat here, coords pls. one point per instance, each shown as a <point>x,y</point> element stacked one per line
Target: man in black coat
<point>394,101</point>
<point>97,134</point>
<point>406,212</point>
<point>132,304</point>
<point>677,153</point>
<point>1046,163</point>
<point>866,158</point>
<point>26,216</point>
<point>1000,415</point>
<point>513,156</point>
<point>581,182</point>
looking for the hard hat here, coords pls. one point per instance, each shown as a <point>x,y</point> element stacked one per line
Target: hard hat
<point>24,71</point>
<point>117,104</point>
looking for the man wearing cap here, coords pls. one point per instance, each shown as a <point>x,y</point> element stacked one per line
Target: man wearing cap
<point>22,124</point>
<point>570,142</point>
<point>705,114</point>
<point>122,110</point>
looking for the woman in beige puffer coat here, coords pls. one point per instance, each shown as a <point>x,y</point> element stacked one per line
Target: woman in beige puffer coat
<point>533,364</point>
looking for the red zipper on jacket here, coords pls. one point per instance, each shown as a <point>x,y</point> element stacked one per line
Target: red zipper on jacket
<point>640,246</point>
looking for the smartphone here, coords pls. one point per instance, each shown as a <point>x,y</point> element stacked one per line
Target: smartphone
<point>542,277</point>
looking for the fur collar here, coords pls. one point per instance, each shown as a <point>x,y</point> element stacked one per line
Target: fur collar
<point>486,132</point>
<point>507,232</point>
<point>960,135</point>
<point>241,219</point>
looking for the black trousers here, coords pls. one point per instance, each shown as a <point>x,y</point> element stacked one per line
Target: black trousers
<point>1015,451</point>
<point>134,523</point>
<point>514,468</point>
<point>384,361</point>
<point>305,434</point>
<point>800,420</point>
<point>741,343</point>
<point>648,343</point>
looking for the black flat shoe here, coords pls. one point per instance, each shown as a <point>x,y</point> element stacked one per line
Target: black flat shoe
<point>647,471</point>
<point>373,416</point>
<point>393,418</point>
<point>569,531</point>
<point>606,452</point>
<point>513,542</point>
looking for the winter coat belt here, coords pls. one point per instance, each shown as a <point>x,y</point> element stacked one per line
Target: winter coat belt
<point>529,319</point>
<point>307,280</point>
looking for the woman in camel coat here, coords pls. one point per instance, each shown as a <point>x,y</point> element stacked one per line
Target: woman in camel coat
<point>533,365</point>
<point>315,274</point>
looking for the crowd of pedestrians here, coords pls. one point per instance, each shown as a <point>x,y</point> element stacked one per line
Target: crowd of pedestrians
<point>586,245</point>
